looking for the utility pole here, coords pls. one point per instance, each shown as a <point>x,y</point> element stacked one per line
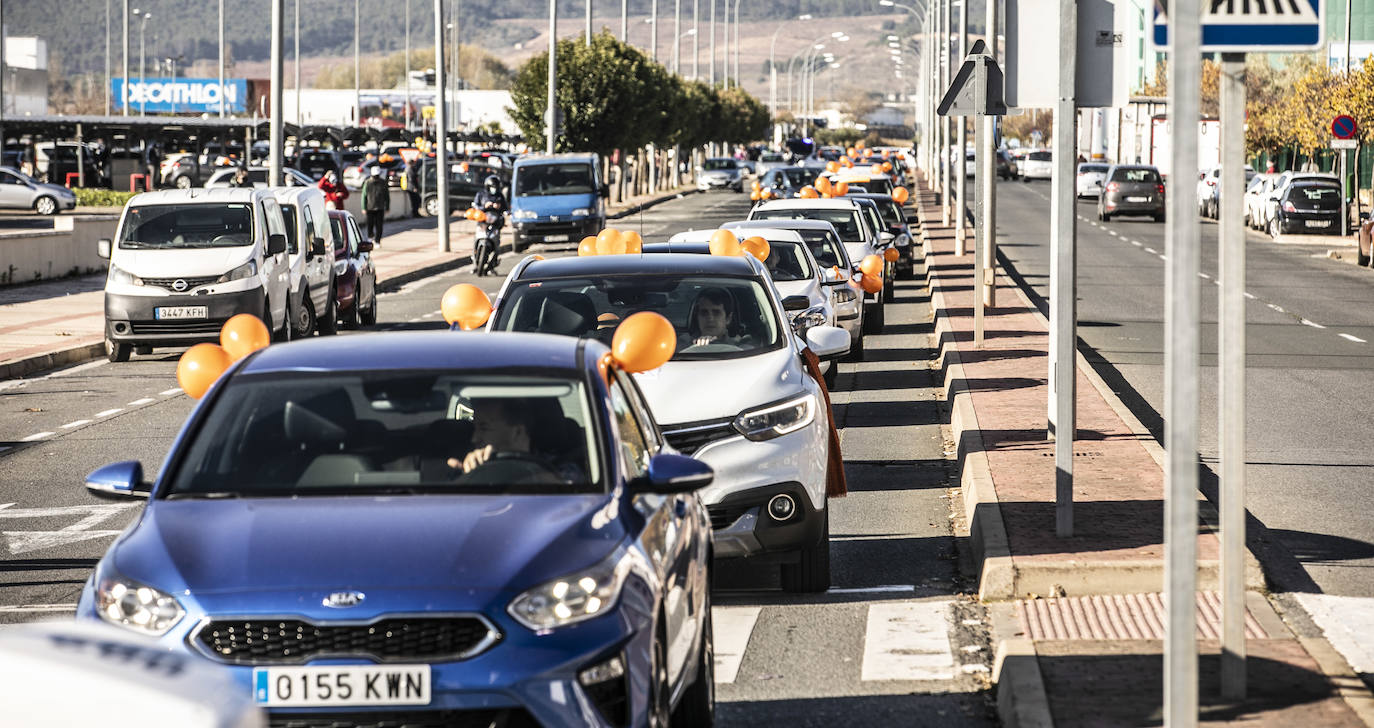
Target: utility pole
<point>221,59</point>
<point>357,64</point>
<point>275,134</point>
<point>653,30</point>
<point>677,37</point>
<point>960,227</point>
<point>551,113</point>
<point>589,22</point>
<point>624,20</point>
<point>1063,424</point>
<point>407,2</point>
<point>107,62</point>
<point>737,4</point>
<point>712,24</point>
<point>987,184</point>
<point>696,43</point>
<point>725,45</point>
<point>441,163</point>
<point>125,83</point>
<point>946,22</point>
<point>300,115</point>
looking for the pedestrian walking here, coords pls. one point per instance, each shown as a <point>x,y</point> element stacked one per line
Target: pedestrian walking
<point>334,190</point>
<point>376,201</point>
<point>152,162</point>
<point>410,181</point>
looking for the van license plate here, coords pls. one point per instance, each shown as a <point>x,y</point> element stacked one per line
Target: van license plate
<point>1318,223</point>
<point>181,312</point>
<point>555,238</point>
<point>342,685</point>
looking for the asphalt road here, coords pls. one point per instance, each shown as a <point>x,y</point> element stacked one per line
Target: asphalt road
<point>898,639</point>
<point>1310,359</point>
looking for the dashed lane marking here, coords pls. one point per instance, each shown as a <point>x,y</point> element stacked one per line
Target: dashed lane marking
<point>170,392</point>
<point>77,423</point>
<point>141,402</point>
<point>731,628</point>
<point>1250,295</point>
<point>1313,324</point>
<point>109,412</point>
<point>1152,251</point>
<point>1355,339</point>
<point>908,641</point>
<point>37,436</point>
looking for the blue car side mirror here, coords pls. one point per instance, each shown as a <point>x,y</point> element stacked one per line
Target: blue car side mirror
<point>118,481</point>
<point>669,474</point>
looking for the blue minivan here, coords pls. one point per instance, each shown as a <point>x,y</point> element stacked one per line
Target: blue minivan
<point>557,198</point>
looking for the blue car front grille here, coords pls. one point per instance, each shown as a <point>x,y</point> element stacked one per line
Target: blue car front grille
<point>267,641</point>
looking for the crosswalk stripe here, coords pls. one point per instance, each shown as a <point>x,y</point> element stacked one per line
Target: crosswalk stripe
<point>908,641</point>
<point>731,627</point>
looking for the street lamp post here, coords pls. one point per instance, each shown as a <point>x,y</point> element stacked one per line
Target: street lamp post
<point>677,37</point>
<point>653,30</point>
<point>221,62</point>
<point>300,115</point>
<point>407,2</point>
<point>107,61</point>
<point>696,37</point>
<point>551,114</point>
<point>275,136</point>
<point>737,77</point>
<point>142,59</point>
<point>441,164</point>
<point>712,24</point>
<point>357,64</point>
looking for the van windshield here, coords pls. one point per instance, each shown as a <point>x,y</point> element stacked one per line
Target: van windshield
<point>203,225</point>
<point>538,180</point>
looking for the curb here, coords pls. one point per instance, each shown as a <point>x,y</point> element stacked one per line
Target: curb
<point>650,203</point>
<point>1021,698</point>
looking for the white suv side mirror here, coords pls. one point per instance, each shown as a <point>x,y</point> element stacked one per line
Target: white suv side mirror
<point>827,340</point>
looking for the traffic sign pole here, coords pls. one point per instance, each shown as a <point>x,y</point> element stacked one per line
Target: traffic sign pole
<point>1063,423</point>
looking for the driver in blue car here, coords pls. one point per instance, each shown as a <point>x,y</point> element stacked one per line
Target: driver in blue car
<point>497,428</point>
<point>532,442</point>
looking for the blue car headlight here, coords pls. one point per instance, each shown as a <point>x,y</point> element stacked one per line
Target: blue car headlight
<point>777,420</point>
<point>574,597</point>
<point>134,606</point>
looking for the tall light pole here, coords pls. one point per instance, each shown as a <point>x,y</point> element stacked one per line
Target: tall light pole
<point>725,43</point>
<point>677,37</point>
<point>221,59</point>
<point>300,115</point>
<point>441,163</point>
<point>624,20</point>
<point>125,84</point>
<point>107,61</point>
<point>653,30</point>
<point>712,24</point>
<point>142,58</point>
<point>357,64</point>
<point>551,114</point>
<point>407,2</point>
<point>737,78</point>
<point>275,126</point>
<point>696,38</point>
<point>772,65</point>
<point>589,22</point>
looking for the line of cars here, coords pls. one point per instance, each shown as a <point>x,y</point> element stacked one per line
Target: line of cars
<point>514,525</point>
<point>183,262</point>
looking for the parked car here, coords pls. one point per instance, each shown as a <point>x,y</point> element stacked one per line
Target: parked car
<point>355,277</point>
<point>324,531</point>
<point>291,176</point>
<point>1209,189</point>
<point>185,170</point>
<point>1307,206</point>
<point>315,161</point>
<point>22,192</point>
<point>1017,158</point>
<point>1132,189</point>
<point>183,262</point>
<point>310,247</point>
<point>1274,198</point>
<point>1038,164</point>
<point>1256,200</point>
<point>720,173</point>
<point>556,198</point>
<point>1088,182</point>
<point>464,180</point>
<point>739,400</point>
<point>57,160</point>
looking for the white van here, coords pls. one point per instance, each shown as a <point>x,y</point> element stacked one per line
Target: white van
<point>184,261</point>
<point>310,247</point>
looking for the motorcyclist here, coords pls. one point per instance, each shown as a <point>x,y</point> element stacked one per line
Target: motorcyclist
<point>491,200</point>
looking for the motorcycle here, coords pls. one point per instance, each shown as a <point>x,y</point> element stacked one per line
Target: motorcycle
<point>488,241</point>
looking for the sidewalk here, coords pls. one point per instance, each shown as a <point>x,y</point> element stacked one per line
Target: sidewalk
<point>1079,621</point>
<point>62,322</point>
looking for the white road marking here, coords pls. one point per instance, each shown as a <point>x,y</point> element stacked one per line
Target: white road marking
<point>1348,622</point>
<point>1313,324</point>
<point>1276,307</point>
<point>1163,256</point>
<point>170,392</point>
<point>1137,243</point>
<point>1355,339</point>
<point>23,541</point>
<point>141,402</point>
<point>1152,251</point>
<point>731,627</point>
<point>414,320</point>
<point>888,589</point>
<point>109,412</point>
<point>37,436</point>
<point>1250,295</point>
<point>908,641</point>
<point>78,423</point>
<point>1203,275</point>
<point>21,608</point>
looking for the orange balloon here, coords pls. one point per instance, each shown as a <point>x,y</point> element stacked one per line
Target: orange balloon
<point>242,335</point>
<point>463,168</point>
<point>466,305</point>
<point>587,246</point>
<point>754,195</point>
<point>756,246</point>
<point>887,166</point>
<point>841,189</point>
<point>885,154</point>
<point>849,151</point>
<point>871,284</point>
<point>871,265</point>
<point>809,193</point>
<point>755,186</point>
<point>470,213</point>
<point>900,195</point>
<point>610,242</point>
<point>643,341</point>
<point>891,255</point>
<point>481,216</point>
<point>877,169</point>
<point>848,163</point>
<point>724,242</point>
<point>199,367</point>
<point>634,244</point>
<point>832,167</point>
<point>822,184</point>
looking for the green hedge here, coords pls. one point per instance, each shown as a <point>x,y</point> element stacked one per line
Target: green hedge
<point>95,197</point>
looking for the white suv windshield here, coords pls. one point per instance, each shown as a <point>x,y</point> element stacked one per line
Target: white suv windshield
<point>201,225</point>
<point>846,221</point>
<point>715,317</point>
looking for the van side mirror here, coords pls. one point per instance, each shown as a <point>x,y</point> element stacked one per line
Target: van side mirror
<point>604,191</point>
<point>317,247</point>
<point>102,248</point>
<point>276,244</point>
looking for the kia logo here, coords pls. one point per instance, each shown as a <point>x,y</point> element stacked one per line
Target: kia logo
<point>344,599</point>
<point>179,285</point>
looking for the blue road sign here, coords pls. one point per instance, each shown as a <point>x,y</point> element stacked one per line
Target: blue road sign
<point>1343,127</point>
<point>1243,26</point>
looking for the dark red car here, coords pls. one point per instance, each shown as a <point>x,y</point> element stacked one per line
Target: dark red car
<point>355,278</point>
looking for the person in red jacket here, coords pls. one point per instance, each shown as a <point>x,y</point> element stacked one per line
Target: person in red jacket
<point>334,191</point>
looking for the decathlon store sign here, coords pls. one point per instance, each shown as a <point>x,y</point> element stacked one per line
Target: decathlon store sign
<point>181,95</point>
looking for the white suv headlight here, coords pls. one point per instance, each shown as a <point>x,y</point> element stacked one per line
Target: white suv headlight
<point>134,606</point>
<point>119,275</point>
<point>843,294</point>
<point>777,420</point>
<point>524,215</point>
<point>247,270</point>
<point>575,597</point>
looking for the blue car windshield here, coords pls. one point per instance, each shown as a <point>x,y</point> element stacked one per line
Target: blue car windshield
<point>392,432</point>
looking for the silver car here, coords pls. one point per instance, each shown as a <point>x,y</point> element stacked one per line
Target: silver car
<point>720,173</point>
<point>20,191</point>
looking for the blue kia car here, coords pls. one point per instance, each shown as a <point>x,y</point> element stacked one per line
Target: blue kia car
<point>426,529</point>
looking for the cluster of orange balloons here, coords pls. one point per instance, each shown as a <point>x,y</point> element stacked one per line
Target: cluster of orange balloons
<point>827,189</point>
<point>475,215</point>
<point>758,193</point>
<point>871,273</point>
<point>612,242</point>
<point>465,305</point>
<point>202,364</point>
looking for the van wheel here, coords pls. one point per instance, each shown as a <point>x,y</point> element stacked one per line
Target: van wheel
<point>350,317</point>
<point>812,573</point>
<point>277,335</point>
<point>328,323</point>
<point>303,322</point>
<point>368,316</point>
<point>431,206</point>
<point>117,350</point>
<point>45,206</point>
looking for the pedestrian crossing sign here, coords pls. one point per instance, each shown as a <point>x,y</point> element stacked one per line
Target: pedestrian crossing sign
<point>1242,26</point>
